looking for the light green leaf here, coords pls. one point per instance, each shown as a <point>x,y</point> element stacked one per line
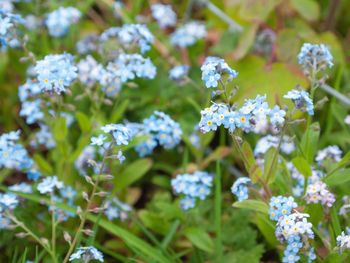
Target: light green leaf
<point>200,239</point>
<point>60,129</point>
<point>83,121</point>
<point>308,9</point>
<point>255,205</point>
<point>309,142</point>
<point>338,177</point>
<point>132,173</point>
<point>270,164</point>
<point>302,166</point>
<point>44,165</point>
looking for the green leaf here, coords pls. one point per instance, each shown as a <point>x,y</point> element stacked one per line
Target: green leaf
<point>200,239</point>
<point>338,177</point>
<point>83,121</point>
<point>335,221</point>
<point>270,164</point>
<point>302,166</point>
<point>218,154</point>
<point>132,173</point>
<point>267,228</point>
<point>154,221</point>
<point>43,164</point>
<point>245,42</point>
<point>308,9</point>
<point>255,205</point>
<point>253,169</point>
<point>60,129</point>
<point>345,160</point>
<point>118,111</point>
<point>309,142</point>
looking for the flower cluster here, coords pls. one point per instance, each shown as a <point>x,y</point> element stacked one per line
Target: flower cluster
<point>240,189</point>
<point>55,72</point>
<point>43,137</point>
<point>192,186</point>
<point>59,21</point>
<point>265,143</point>
<point>87,254</point>
<point>331,153</point>
<point>28,90</point>
<point>164,15</point>
<point>115,209</point>
<point>295,230</point>
<point>212,70</point>
<point>89,71</point>
<point>21,187</point>
<point>126,67</point>
<point>179,73</point>
<point>12,154</point>
<point>31,111</point>
<point>318,192</point>
<point>188,34</point>
<point>161,130</point>
<point>129,35</point>
<point>301,100</point>
<point>314,57</point>
<point>281,206</point>
<point>119,132</point>
<point>8,24</point>
<point>343,241</point>
<point>243,118</point>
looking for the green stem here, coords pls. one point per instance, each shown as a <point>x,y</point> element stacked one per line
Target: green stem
<point>218,202</point>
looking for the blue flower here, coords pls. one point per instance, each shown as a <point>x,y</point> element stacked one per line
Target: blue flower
<point>31,111</point>
<point>277,116</point>
<point>21,187</point>
<point>188,34</point>
<point>314,57</point>
<point>33,175</point>
<point>8,201</point>
<point>301,100</point>
<point>281,206</point>
<point>8,24</point>
<point>55,72</point>
<point>212,70</point>
<point>179,73</point>
<point>120,133</point>
<point>164,15</point>
<point>240,189</point>
<point>99,140</point>
<point>59,21</point>
<point>49,184</point>
<point>191,187</point>
<point>87,254</point>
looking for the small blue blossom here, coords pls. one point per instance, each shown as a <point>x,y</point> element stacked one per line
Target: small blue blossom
<point>240,189</point>
<point>115,209</point>
<point>21,187</point>
<point>188,34</point>
<point>179,73</point>
<point>277,116</point>
<point>49,184</point>
<point>59,21</point>
<point>212,70</point>
<point>281,206</point>
<point>31,111</point>
<point>99,140</point>
<point>191,187</point>
<point>12,154</point>
<point>287,145</point>
<point>164,15</point>
<point>68,193</point>
<point>129,35</point>
<point>28,90</point>
<point>8,201</point>
<point>119,132</point>
<point>87,254</point>
<point>8,24</point>
<point>55,72</point>
<point>301,100</point>
<point>314,57</point>
<point>33,175</point>
<point>43,137</point>
<point>82,162</point>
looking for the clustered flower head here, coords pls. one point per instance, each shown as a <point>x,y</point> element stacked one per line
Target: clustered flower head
<point>89,71</point>
<point>87,254</point>
<point>301,100</point>
<point>129,35</point>
<point>281,206</point>
<point>164,15</point>
<point>125,68</point>
<point>31,111</point>
<point>240,189</point>
<point>8,24</point>
<point>343,241</point>
<point>59,21</point>
<point>179,73</point>
<point>265,143</point>
<point>161,130</point>
<point>188,34</point>
<point>332,153</point>
<point>116,209</point>
<point>21,187</point>
<point>28,90</point>
<point>212,70</point>
<point>119,132</point>
<point>318,192</point>
<point>243,118</point>
<point>12,154</point>
<point>56,72</point>
<point>315,57</point>
<point>43,137</point>
<point>192,187</point>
